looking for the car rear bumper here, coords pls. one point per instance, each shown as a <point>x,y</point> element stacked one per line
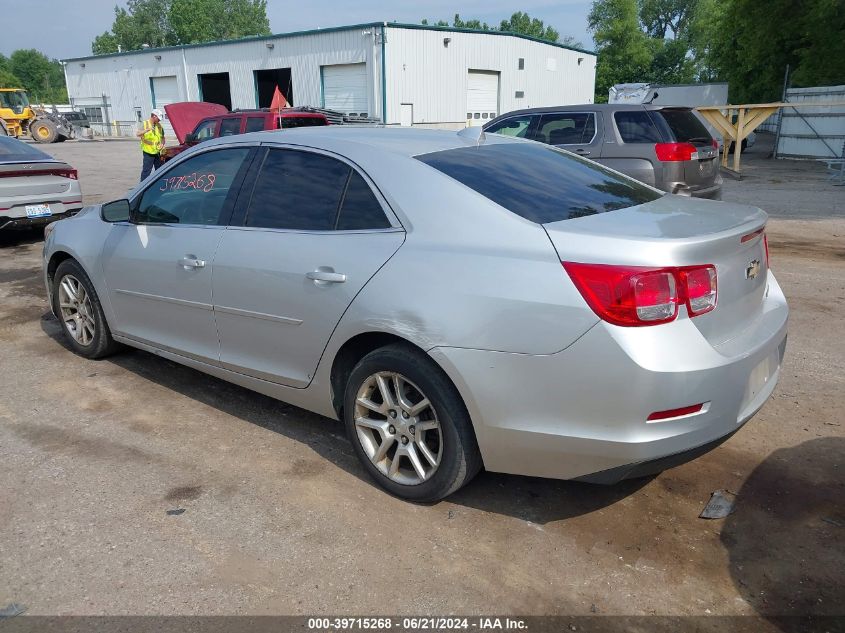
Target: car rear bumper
<point>582,413</point>
<point>23,222</point>
<point>711,192</point>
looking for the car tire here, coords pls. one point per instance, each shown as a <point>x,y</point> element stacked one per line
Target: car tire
<point>446,449</point>
<point>80,313</point>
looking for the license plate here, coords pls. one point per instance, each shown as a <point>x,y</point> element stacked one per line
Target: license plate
<point>38,210</point>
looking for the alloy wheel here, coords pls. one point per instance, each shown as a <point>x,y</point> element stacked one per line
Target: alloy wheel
<point>76,310</point>
<point>398,428</point>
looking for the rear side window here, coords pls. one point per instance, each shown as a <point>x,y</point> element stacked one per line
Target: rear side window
<point>683,126</point>
<point>254,124</point>
<point>539,183</point>
<point>636,126</point>
<point>205,130</point>
<point>360,209</point>
<point>312,192</point>
<point>12,150</point>
<point>566,128</point>
<point>301,121</point>
<point>230,127</point>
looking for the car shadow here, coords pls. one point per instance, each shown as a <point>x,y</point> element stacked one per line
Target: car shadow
<point>21,237</point>
<point>539,501</point>
<point>786,539</point>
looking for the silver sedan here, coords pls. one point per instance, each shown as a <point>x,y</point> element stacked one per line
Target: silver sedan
<point>35,188</point>
<point>459,301</point>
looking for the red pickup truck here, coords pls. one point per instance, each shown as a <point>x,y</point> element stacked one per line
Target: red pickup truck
<point>195,122</point>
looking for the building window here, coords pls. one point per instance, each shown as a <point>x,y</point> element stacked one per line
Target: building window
<point>521,63</point>
<point>519,94</point>
<point>93,114</point>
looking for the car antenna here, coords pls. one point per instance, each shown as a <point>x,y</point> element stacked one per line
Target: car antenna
<point>473,133</point>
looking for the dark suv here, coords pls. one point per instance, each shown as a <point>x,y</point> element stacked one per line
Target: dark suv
<point>667,147</point>
<point>192,124</point>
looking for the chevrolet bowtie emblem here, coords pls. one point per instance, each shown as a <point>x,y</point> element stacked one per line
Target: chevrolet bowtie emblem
<point>753,269</point>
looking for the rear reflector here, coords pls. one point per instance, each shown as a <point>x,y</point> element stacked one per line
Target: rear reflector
<point>633,296</point>
<point>675,152</point>
<point>675,413</point>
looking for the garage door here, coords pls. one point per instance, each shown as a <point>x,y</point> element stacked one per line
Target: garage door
<point>482,96</point>
<point>345,88</point>
<point>164,91</point>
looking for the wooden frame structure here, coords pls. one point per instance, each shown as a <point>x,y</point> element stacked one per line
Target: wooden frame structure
<point>748,118</point>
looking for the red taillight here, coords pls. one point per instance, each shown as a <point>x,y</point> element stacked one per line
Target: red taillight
<point>64,173</point>
<point>699,284</point>
<point>715,144</point>
<point>633,296</point>
<point>674,152</point>
<point>675,413</point>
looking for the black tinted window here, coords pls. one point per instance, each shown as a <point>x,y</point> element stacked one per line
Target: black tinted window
<point>11,149</point>
<point>302,121</point>
<point>684,126</point>
<point>360,209</point>
<point>539,183</point>
<point>194,191</point>
<point>636,126</point>
<point>297,190</point>
<point>229,127</point>
<point>254,124</point>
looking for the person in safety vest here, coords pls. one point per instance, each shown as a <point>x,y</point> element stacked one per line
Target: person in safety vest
<point>152,142</point>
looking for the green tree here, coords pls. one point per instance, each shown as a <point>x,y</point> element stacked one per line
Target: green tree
<point>42,77</point>
<point>173,22</point>
<point>519,22</point>
<point>8,80</point>
<point>522,23</point>
<point>625,54</point>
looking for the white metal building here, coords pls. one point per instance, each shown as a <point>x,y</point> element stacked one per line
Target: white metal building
<point>401,73</point>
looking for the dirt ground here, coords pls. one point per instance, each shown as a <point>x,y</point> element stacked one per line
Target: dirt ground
<point>279,518</point>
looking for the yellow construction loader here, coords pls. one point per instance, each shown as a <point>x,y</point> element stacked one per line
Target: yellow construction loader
<point>18,118</point>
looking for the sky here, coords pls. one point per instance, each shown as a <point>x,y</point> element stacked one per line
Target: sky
<point>73,25</point>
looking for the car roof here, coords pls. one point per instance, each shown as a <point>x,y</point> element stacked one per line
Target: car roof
<point>595,107</point>
<point>353,140</point>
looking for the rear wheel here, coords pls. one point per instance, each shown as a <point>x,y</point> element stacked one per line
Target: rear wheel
<point>408,425</point>
<point>43,131</point>
<point>80,313</point>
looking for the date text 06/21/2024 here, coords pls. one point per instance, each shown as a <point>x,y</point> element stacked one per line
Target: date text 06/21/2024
<point>480,623</point>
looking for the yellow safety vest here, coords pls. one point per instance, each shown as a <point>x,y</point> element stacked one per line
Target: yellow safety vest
<point>152,142</point>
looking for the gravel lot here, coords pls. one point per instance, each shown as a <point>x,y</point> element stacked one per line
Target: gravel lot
<point>280,519</point>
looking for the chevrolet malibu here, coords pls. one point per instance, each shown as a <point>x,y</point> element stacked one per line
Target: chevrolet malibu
<point>458,300</point>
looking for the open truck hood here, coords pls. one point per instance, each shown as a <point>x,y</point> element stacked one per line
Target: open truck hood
<point>184,116</point>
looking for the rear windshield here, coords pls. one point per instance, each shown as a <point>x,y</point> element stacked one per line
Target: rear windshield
<point>538,182</point>
<point>15,151</point>
<point>302,121</point>
<point>682,126</point>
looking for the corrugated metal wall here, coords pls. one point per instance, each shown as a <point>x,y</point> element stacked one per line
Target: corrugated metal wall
<point>125,79</point>
<point>419,70</point>
<point>812,132</point>
<point>433,77</point>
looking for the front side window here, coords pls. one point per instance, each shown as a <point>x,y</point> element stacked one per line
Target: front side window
<point>516,126</point>
<point>539,183</point>
<point>205,130</point>
<point>566,128</point>
<point>305,191</point>
<point>193,191</point>
<point>636,126</point>
<point>230,127</point>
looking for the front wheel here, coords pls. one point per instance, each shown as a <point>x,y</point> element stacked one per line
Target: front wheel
<point>408,425</point>
<point>43,131</point>
<point>80,312</point>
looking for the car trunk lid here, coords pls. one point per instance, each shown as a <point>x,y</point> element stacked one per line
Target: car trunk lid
<point>676,231</point>
<point>184,116</point>
<point>33,178</point>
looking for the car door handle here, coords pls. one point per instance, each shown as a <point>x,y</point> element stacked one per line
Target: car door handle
<point>190,261</point>
<point>583,152</point>
<point>326,276</point>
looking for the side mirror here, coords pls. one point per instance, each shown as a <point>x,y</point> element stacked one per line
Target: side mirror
<point>190,138</point>
<point>116,211</point>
